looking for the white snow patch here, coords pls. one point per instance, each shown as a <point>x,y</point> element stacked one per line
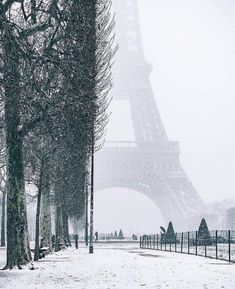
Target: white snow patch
<point>120,266</point>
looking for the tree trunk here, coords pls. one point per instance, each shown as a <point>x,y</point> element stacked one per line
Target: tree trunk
<point>37,230</point>
<point>45,218</point>
<point>66,229</point>
<point>3,223</point>
<point>18,251</point>
<point>59,229</point>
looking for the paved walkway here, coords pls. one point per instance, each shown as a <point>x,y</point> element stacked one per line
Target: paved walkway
<point>120,266</point>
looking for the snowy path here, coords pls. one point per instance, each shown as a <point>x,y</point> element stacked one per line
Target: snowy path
<point>121,266</point>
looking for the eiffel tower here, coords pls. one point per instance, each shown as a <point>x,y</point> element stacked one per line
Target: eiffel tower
<point>150,164</point>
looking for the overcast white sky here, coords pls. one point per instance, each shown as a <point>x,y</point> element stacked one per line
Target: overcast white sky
<point>191,45</point>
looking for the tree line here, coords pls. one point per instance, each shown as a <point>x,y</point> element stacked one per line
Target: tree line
<point>55,78</point>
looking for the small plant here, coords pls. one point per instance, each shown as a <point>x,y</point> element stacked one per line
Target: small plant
<point>120,235</point>
<point>170,234</point>
<point>204,236</point>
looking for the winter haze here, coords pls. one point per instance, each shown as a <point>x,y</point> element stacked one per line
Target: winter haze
<point>191,46</point>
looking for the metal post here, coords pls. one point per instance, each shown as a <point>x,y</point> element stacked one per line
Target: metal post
<point>229,245</point>
<point>175,242</point>
<point>76,241</point>
<point>91,248</point>
<point>196,242</point>
<point>188,243</point>
<point>154,242</point>
<point>140,242</point>
<point>182,240</point>
<point>216,244</point>
<point>157,240</point>
<point>86,215</point>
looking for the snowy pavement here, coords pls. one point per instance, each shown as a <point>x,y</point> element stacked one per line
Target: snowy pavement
<point>120,266</point>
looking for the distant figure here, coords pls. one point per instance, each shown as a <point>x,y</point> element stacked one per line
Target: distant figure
<point>134,237</point>
<point>96,236</point>
<point>41,242</point>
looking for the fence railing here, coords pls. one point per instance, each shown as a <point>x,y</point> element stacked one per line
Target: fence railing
<point>220,244</point>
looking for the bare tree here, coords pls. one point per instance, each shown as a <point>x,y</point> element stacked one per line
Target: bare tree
<point>38,151</point>
<point>21,29</point>
<point>56,59</point>
<point>3,189</point>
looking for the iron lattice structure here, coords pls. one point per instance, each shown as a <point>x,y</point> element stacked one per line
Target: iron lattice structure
<point>151,164</point>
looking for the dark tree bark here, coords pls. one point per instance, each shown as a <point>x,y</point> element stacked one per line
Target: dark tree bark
<point>58,228</point>
<point>18,251</point>
<point>45,215</point>
<point>3,223</point>
<point>66,228</point>
<point>37,229</point>
<point>37,237</point>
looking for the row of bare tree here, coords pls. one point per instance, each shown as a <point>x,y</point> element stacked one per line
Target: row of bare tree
<point>55,77</point>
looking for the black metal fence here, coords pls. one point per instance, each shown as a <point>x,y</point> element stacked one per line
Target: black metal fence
<point>220,245</point>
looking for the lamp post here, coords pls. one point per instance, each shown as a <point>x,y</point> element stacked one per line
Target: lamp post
<point>91,248</point>
<point>86,208</point>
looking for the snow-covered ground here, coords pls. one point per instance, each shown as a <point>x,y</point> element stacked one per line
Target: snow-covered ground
<point>120,266</point>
